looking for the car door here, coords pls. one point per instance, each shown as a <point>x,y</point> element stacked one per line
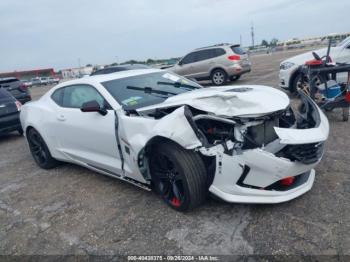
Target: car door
<point>185,65</point>
<point>87,137</point>
<point>204,63</point>
<point>199,66</point>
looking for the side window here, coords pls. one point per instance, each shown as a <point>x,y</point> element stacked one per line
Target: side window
<point>210,53</point>
<point>219,52</point>
<point>75,96</point>
<point>203,55</point>
<point>57,96</point>
<point>188,59</point>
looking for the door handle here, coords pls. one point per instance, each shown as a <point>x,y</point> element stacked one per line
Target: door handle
<point>61,118</point>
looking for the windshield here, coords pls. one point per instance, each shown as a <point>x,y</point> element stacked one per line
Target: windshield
<point>148,89</point>
<point>345,41</point>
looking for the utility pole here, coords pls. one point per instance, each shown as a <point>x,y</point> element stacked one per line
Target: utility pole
<point>252,33</point>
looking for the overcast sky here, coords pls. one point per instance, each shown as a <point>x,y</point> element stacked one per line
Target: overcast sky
<point>56,33</point>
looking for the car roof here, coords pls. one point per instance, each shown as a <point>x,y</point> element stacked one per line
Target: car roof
<point>8,78</point>
<point>124,66</point>
<point>108,77</point>
<point>129,65</point>
<point>216,46</point>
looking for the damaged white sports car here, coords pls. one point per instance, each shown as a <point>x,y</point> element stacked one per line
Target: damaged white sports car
<point>160,131</point>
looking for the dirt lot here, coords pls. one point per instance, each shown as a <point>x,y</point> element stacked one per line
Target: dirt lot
<point>71,210</point>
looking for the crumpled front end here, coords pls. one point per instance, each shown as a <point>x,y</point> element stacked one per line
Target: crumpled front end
<point>263,159</point>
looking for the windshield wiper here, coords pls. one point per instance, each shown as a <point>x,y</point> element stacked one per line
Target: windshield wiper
<point>150,90</point>
<point>178,85</point>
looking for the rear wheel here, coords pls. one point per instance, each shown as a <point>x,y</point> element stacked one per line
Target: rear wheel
<point>40,151</point>
<point>218,77</point>
<point>179,176</point>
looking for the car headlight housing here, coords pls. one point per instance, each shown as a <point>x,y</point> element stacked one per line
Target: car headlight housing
<point>286,65</point>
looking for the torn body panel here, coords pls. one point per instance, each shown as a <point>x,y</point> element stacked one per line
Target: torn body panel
<point>310,113</point>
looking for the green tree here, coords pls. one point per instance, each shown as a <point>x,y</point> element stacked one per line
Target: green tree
<point>150,61</point>
<point>264,43</point>
<point>274,42</point>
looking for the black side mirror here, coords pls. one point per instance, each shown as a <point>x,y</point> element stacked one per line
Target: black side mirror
<point>93,106</point>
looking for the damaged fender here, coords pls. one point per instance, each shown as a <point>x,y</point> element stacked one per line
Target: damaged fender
<point>173,126</point>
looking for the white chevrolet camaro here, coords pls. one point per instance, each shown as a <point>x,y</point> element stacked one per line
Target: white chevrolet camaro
<point>160,131</point>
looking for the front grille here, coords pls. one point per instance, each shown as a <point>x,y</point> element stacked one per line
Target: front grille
<point>306,153</point>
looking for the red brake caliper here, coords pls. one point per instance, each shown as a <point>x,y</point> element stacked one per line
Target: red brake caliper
<point>175,202</point>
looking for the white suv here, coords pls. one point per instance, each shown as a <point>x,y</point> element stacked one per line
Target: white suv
<point>218,63</point>
<point>289,74</point>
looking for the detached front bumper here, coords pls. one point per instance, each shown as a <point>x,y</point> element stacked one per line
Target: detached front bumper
<point>250,178</point>
<point>254,175</point>
<point>253,196</point>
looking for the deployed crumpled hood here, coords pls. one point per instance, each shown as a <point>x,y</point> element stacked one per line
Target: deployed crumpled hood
<point>229,101</point>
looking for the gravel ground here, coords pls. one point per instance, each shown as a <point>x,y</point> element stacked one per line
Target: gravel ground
<point>71,210</point>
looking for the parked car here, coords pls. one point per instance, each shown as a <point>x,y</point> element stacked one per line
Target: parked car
<point>113,69</point>
<point>9,113</point>
<point>290,76</point>
<point>160,131</point>
<point>40,81</point>
<point>36,81</point>
<point>44,80</point>
<point>218,63</point>
<point>27,83</point>
<point>53,80</point>
<point>16,88</point>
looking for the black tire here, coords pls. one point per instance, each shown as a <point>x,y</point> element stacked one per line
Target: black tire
<point>294,85</point>
<point>179,176</point>
<point>218,77</point>
<point>40,151</point>
<point>345,114</point>
<point>235,78</point>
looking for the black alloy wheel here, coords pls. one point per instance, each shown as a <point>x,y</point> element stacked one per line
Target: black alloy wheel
<point>40,151</point>
<point>169,183</point>
<point>179,176</point>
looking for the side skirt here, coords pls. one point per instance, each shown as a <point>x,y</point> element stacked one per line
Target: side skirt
<point>123,178</point>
